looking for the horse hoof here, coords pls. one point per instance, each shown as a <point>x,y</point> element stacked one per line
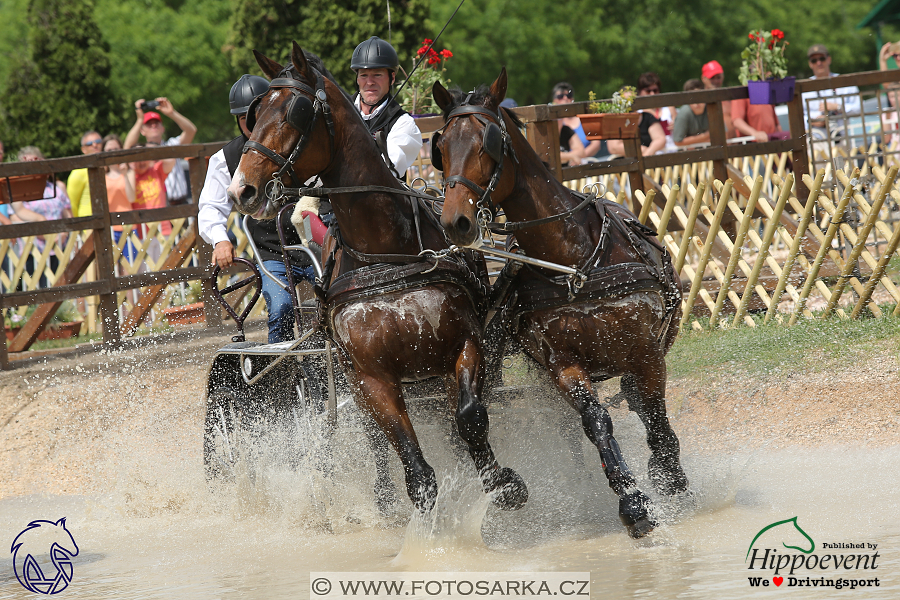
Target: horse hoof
<point>667,481</point>
<point>507,490</point>
<point>424,496</point>
<point>634,514</point>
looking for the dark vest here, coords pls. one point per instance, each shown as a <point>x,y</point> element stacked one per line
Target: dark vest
<point>380,128</point>
<point>264,233</point>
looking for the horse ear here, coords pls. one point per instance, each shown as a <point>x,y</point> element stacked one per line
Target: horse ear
<point>441,96</point>
<point>269,67</point>
<point>498,90</point>
<point>299,60</point>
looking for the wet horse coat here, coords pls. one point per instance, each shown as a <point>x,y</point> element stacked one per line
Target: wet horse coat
<point>428,325</point>
<point>617,317</point>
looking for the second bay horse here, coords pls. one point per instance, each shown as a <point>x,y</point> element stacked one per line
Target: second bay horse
<point>617,315</point>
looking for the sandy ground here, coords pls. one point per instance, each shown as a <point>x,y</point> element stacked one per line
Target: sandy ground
<point>70,425</point>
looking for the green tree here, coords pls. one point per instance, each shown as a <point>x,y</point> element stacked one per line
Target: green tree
<point>59,88</point>
<point>330,28</point>
<point>171,48</point>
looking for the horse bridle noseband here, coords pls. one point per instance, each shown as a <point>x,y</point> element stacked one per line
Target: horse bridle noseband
<point>300,108</point>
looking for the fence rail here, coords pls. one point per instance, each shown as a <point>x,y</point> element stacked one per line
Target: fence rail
<point>753,235</point>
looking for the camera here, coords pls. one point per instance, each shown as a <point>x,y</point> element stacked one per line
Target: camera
<point>151,105</point>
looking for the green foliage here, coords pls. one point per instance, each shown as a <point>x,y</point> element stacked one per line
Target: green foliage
<point>621,101</point>
<point>60,88</point>
<point>330,28</point>
<point>171,49</point>
<point>764,57</point>
<point>602,46</point>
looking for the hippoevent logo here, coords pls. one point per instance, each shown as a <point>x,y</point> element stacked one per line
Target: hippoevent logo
<point>806,567</point>
<point>40,541</point>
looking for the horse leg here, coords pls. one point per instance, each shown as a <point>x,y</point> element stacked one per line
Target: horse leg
<point>383,401</point>
<point>664,465</point>
<point>598,426</point>
<point>385,492</point>
<point>506,488</point>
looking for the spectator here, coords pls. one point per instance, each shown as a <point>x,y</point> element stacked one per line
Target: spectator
<point>691,122</point>
<point>119,194</point>
<point>650,131</point>
<point>890,53</point>
<point>148,178</point>
<point>55,205</point>
<point>564,94</point>
<point>78,190</point>
<point>648,85</point>
<point>713,76</point>
<point>149,124</point>
<point>571,150</point>
<point>816,105</point>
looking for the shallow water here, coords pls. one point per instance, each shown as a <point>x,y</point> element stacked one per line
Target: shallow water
<point>159,531</point>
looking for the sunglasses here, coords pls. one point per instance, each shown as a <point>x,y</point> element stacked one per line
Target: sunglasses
<point>94,143</point>
<point>817,60</point>
<point>560,95</point>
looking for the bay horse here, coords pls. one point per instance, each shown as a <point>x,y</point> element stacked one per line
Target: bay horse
<point>617,315</point>
<point>398,309</point>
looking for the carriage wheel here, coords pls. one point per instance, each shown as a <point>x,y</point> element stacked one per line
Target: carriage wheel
<point>221,434</point>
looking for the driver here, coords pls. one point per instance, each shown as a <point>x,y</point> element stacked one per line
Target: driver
<point>396,134</point>
<point>214,208</point>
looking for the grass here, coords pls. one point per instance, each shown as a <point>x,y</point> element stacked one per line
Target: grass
<point>772,349</point>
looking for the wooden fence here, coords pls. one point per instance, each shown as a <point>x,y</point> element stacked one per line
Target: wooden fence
<point>752,232</point>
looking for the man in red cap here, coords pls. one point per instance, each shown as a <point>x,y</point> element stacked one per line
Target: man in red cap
<point>149,124</point>
<point>713,75</point>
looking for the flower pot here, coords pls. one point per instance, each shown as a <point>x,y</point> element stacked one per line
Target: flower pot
<point>610,126</point>
<point>185,315</point>
<point>59,331</point>
<point>771,91</point>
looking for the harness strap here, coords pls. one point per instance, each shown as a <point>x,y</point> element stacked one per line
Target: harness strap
<point>454,179</point>
<point>512,226</point>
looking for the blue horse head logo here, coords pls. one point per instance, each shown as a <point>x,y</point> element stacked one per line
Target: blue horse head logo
<point>40,541</point>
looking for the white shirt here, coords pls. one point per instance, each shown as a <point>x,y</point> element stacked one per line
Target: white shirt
<point>214,205</point>
<point>404,141</point>
<point>812,107</point>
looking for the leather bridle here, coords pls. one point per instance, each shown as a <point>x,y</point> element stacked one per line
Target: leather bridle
<point>275,188</point>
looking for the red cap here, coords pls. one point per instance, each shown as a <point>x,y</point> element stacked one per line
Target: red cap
<point>152,116</point>
<point>711,69</point>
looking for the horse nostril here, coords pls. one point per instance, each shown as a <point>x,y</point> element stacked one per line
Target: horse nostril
<point>248,194</point>
<point>464,226</point>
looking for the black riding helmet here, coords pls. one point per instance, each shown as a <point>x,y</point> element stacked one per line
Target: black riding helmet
<point>375,53</point>
<point>244,91</point>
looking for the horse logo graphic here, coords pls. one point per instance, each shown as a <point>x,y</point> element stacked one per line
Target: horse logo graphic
<point>31,549</point>
<point>793,520</point>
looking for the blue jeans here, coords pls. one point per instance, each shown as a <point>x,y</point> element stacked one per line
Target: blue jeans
<point>278,300</point>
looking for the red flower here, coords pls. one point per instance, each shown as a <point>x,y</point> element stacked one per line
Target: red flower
<point>426,41</point>
<point>433,60</point>
<point>771,44</point>
<point>421,50</point>
<point>446,53</point>
<point>752,37</point>
<point>778,34</point>
<point>432,54</point>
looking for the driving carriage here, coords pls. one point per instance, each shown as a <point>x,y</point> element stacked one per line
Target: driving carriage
<point>403,304</point>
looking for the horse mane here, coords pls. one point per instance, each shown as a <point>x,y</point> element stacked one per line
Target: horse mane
<point>318,65</point>
<point>476,98</point>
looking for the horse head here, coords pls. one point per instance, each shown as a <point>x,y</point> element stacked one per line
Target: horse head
<point>43,538</point>
<point>292,135</point>
<point>471,150</point>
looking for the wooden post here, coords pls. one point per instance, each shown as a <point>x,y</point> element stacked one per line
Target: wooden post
<point>103,243</point>
<point>718,137</point>
<point>799,157</point>
<point>211,307</point>
<point>544,138</point>
<point>636,178</point>
<point>4,355</point>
